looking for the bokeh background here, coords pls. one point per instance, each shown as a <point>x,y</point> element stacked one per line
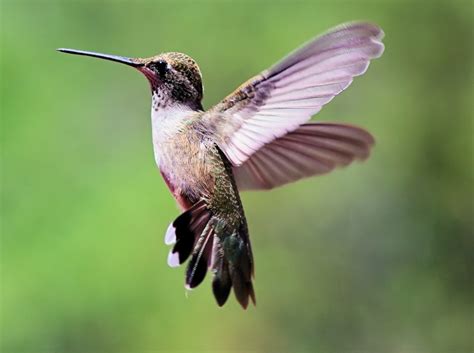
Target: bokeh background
<point>373,258</point>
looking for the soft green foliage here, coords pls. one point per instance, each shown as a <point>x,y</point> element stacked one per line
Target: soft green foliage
<point>373,258</point>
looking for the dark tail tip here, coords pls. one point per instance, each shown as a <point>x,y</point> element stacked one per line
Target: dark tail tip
<point>221,283</point>
<point>243,291</point>
<point>221,291</point>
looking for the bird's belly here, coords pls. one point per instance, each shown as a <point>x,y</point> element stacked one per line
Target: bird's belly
<point>184,159</point>
<point>183,200</point>
<point>185,164</point>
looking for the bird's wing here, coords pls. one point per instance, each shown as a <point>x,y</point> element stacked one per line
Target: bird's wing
<point>282,98</point>
<point>311,149</point>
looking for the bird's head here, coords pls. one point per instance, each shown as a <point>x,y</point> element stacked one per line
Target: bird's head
<point>174,78</point>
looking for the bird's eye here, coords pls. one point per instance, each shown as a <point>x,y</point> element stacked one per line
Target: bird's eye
<point>161,67</point>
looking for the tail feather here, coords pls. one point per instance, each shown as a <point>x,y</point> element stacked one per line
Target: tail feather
<point>243,287</point>
<point>212,245</point>
<point>234,269</point>
<point>185,232</point>
<point>221,287</point>
<point>222,282</point>
<point>201,259</point>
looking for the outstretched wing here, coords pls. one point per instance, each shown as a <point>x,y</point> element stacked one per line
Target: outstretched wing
<point>312,149</point>
<point>280,99</point>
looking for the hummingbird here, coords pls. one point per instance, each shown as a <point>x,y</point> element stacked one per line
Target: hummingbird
<point>257,138</point>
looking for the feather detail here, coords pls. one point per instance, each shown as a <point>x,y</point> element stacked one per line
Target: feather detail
<point>185,231</point>
<point>201,259</point>
<point>312,149</point>
<point>221,283</point>
<point>285,96</point>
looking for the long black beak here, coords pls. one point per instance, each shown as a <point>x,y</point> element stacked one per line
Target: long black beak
<point>119,59</point>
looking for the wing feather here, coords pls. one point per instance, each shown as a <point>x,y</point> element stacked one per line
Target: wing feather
<point>312,149</point>
<point>282,98</point>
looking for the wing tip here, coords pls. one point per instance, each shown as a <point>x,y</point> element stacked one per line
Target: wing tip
<point>375,30</point>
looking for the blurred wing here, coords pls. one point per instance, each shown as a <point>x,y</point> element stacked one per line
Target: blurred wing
<point>280,99</point>
<point>314,148</point>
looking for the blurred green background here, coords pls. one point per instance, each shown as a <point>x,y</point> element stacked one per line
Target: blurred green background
<point>373,258</point>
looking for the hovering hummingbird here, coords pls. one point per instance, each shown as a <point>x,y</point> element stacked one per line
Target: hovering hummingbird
<point>257,138</point>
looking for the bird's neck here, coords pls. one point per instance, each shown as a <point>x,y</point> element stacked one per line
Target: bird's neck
<point>172,114</point>
<point>167,116</point>
<point>162,101</point>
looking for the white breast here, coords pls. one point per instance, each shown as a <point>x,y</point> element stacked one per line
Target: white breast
<point>165,122</point>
